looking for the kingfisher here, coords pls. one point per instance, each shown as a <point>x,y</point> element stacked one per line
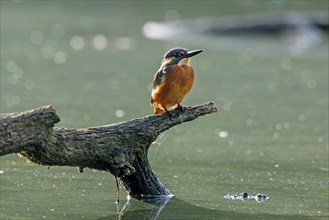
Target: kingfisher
<point>173,81</point>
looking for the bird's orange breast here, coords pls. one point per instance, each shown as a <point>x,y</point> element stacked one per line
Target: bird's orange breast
<point>174,86</point>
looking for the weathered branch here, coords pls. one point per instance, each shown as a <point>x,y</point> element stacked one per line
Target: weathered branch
<point>118,148</point>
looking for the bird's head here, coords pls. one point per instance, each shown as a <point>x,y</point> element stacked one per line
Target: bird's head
<point>179,56</point>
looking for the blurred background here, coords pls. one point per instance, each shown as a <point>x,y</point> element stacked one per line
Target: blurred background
<point>265,66</point>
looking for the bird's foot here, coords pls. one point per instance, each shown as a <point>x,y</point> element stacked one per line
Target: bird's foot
<point>180,108</point>
<point>171,115</point>
<point>173,112</point>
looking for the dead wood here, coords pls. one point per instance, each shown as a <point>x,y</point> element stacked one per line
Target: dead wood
<point>119,148</point>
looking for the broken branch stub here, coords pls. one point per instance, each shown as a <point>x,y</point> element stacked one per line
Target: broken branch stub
<point>119,148</point>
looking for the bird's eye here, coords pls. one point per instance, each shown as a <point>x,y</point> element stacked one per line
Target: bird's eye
<point>176,54</point>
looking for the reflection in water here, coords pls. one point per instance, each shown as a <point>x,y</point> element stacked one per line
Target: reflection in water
<point>153,210</point>
<point>292,32</point>
<point>174,208</point>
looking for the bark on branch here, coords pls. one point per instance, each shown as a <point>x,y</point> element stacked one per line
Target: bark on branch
<point>119,148</point>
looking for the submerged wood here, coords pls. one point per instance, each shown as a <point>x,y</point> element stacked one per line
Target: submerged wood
<point>120,148</point>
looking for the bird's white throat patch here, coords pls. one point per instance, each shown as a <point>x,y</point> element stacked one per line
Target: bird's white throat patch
<point>185,61</point>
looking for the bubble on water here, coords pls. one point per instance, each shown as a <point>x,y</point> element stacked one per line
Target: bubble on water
<point>278,127</point>
<point>36,37</point>
<point>77,42</point>
<point>119,113</point>
<point>60,57</point>
<point>125,43</point>
<point>1,171</point>
<point>18,72</point>
<point>276,165</point>
<point>99,42</point>
<point>223,134</point>
<point>286,125</point>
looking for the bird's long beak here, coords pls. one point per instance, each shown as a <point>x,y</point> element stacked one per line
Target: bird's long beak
<point>192,53</point>
<point>184,59</point>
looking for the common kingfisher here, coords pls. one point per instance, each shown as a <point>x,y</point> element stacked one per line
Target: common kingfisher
<point>173,81</point>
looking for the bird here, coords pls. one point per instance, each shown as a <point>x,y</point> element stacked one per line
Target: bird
<point>173,80</point>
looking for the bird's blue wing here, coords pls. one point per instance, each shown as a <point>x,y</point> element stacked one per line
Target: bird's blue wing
<point>159,75</point>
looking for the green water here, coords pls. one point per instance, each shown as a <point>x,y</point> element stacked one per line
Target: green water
<point>270,135</point>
